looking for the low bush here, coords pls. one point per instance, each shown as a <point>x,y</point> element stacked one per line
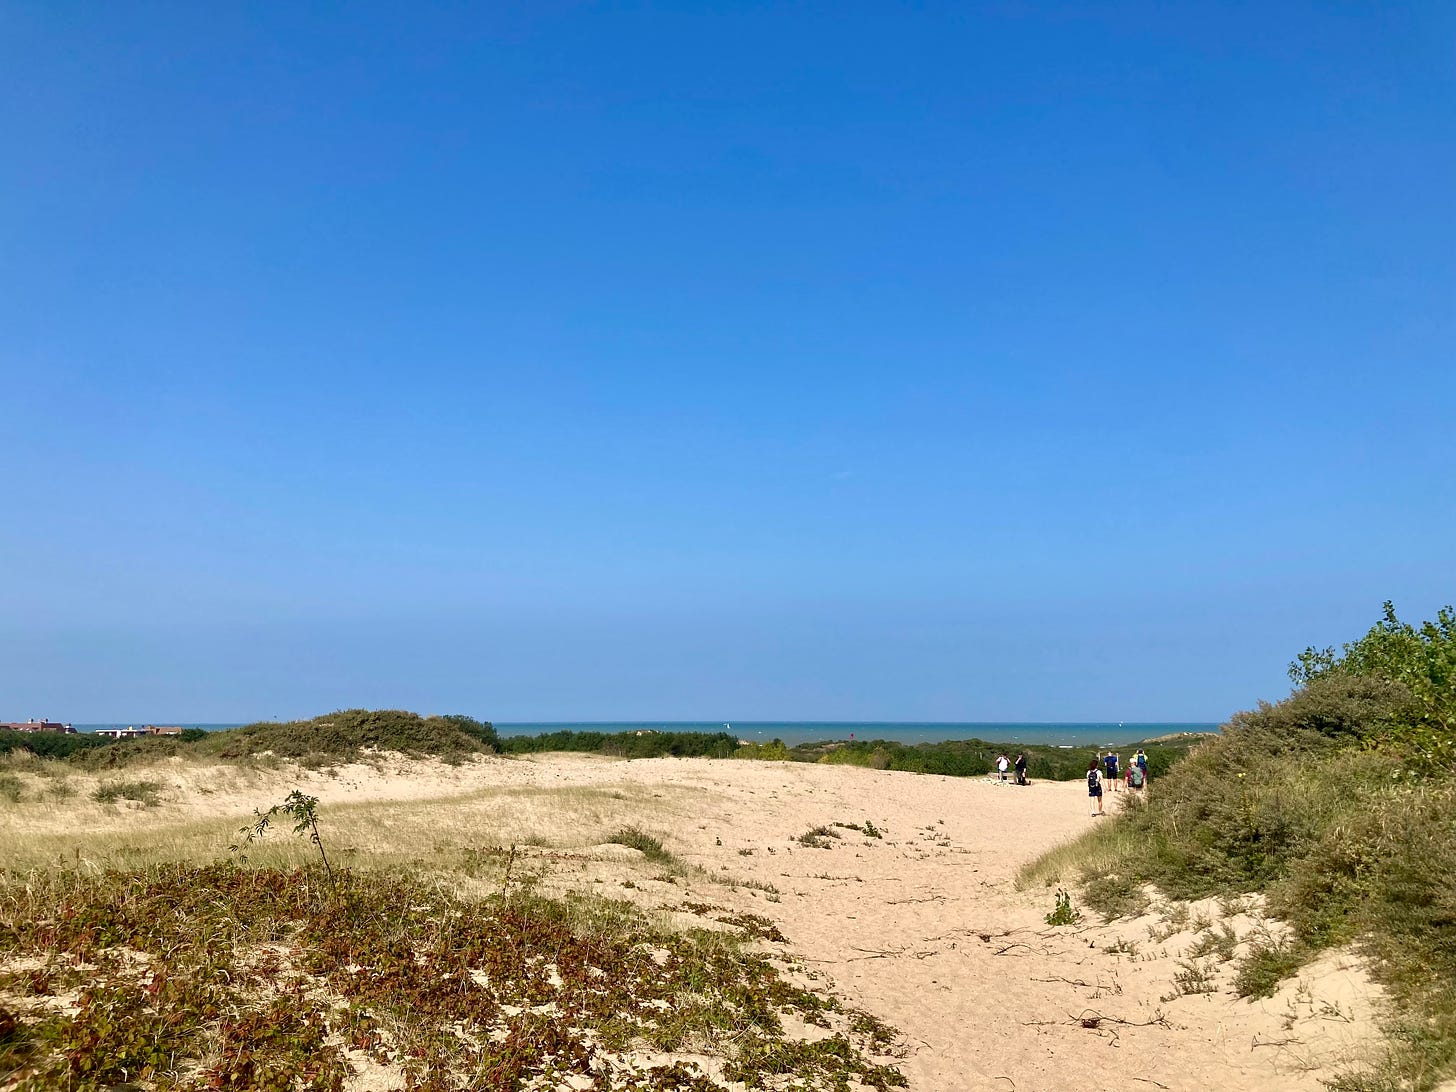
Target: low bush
<point>818,837</point>
<point>649,846</point>
<point>143,792</point>
<point>1266,966</point>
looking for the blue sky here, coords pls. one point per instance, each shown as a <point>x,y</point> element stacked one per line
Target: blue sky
<point>557,361</point>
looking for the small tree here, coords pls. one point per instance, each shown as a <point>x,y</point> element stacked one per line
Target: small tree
<point>304,811</point>
<point>1421,660</point>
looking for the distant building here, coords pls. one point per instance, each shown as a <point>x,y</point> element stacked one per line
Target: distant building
<point>132,733</point>
<point>35,726</point>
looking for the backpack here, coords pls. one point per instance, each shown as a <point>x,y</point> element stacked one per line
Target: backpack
<point>1093,780</point>
<point>1136,778</point>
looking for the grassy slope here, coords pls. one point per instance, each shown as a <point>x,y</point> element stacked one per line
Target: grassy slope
<point>1322,802</point>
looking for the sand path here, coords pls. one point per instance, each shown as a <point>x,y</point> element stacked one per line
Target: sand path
<point>924,928</point>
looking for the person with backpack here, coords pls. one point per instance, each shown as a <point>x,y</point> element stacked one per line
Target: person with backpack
<point>1140,760</point>
<point>1094,785</point>
<point>1135,778</point>
<point>1110,762</point>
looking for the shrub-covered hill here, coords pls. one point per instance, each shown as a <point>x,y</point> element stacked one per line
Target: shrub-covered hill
<point>1339,803</point>
<point>335,737</point>
<point>348,733</point>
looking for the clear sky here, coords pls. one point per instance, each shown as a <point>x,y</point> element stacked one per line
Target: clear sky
<point>553,361</point>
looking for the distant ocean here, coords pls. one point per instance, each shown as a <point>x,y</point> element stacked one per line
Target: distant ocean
<point>1071,734</point>
<point>815,731</point>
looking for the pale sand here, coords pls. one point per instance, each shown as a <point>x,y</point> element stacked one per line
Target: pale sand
<point>922,927</point>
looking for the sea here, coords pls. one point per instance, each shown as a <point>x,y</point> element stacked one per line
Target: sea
<point>792,732</point>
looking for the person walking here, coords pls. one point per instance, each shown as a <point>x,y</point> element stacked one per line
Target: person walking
<point>1094,785</point>
<point>1110,765</point>
<point>1140,760</point>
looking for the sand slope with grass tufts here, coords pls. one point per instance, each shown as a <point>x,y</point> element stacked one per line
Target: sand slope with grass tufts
<point>898,889</point>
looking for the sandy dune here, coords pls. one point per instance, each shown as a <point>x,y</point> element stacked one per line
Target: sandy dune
<point>922,926</point>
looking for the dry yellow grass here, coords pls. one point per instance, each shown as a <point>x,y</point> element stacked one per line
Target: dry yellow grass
<point>200,809</point>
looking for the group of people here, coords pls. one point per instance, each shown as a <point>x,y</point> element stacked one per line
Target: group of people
<point>1103,769</point>
<point>1003,764</point>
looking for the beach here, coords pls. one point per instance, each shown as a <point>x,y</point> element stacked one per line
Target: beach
<point>905,904</point>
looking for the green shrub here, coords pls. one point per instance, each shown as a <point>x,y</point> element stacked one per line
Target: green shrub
<point>818,837</point>
<point>1422,662</point>
<point>144,792</point>
<point>1062,912</point>
<point>649,846</point>
<point>59,791</point>
<point>119,754</point>
<point>1266,965</point>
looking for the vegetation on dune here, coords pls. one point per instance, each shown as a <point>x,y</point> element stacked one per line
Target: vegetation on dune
<point>639,744</point>
<point>351,732</point>
<point>1339,803</point>
<point>344,736</point>
<point>50,744</point>
<point>225,977</point>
